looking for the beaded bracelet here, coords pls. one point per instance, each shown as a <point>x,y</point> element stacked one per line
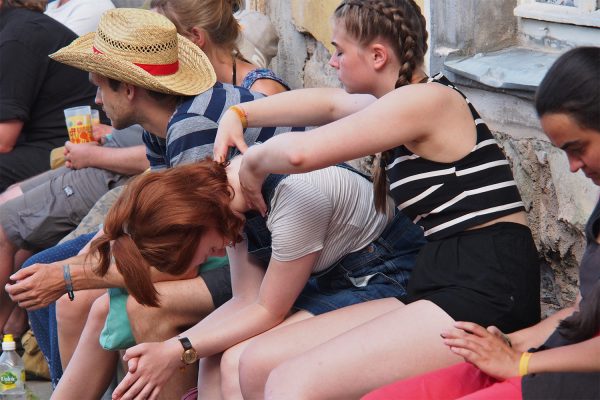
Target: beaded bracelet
<point>68,281</point>
<point>524,363</point>
<point>241,115</point>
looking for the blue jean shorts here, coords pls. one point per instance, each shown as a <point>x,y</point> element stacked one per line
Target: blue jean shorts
<point>379,270</point>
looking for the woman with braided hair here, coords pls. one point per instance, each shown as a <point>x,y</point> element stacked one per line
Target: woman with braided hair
<point>442,167</point>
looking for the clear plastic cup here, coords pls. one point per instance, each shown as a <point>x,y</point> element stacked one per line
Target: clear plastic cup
<point>79,124</point>
<point>95,116</point>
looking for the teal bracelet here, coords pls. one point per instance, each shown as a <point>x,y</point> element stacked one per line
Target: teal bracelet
<point>68,281</point>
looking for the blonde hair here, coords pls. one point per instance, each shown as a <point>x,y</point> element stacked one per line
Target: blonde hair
<point>402,24</point>
<point>215,17</point>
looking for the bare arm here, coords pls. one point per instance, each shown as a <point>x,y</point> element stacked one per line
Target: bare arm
<point>302,107</point>
<point>41,284</point>
<point>536,335</point>
<point>126,160</point>
<point>493,356</point>
<point>230,324</point>
<point>9,133</point>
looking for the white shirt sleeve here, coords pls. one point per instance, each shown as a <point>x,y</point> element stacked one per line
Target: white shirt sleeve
<point>299,220</point>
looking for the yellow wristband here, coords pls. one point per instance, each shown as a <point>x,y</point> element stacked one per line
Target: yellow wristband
<point>524,363</point>
<point>241,115</point>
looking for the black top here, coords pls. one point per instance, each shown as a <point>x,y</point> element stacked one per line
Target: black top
<point>447,198</point>
<point>589,270</point>
<point>33,87</point>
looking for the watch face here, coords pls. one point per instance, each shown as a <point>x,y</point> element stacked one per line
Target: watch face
<point>189,356</point>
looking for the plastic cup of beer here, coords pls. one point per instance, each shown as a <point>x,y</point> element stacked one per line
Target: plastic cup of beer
<point>95,117</point>
<point>79,124</point>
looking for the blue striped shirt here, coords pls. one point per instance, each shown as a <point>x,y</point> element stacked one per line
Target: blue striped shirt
<point>193,127</point>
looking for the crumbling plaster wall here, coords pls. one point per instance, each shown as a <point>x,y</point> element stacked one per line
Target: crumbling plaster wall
<point>557,201</point>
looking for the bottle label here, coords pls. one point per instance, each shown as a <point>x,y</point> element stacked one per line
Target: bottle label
<point>8,381</point>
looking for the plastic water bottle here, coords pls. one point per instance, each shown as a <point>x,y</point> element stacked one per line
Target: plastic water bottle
<point>12,371</point>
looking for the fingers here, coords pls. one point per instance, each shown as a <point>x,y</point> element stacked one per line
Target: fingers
<point>220,152</point>
<point>259,205</point>
<point>155,393</point>
<point>134,352</point>
<point>132,364</point>
<point>241,144</point>
<point>26,272</point>
<point>135,390</point>
<point>124,386</point>
<point>472,328</point>
<point>146,391</point>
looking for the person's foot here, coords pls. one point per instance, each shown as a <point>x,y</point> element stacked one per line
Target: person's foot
<point>17,323</point>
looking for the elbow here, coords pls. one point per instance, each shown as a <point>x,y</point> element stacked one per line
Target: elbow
<point>297,158</point>
<point>5,148</point>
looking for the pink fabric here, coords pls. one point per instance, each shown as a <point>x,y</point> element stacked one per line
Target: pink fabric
<point>461,381</point>
<point>191,394</point>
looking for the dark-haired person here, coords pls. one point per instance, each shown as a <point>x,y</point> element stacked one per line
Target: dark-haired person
<point>445,170</point>
<point>565,360</point>
<point>34,91</point>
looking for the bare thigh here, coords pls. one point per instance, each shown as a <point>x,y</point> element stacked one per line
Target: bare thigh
<point>298,335</point>
<point>398,344</point>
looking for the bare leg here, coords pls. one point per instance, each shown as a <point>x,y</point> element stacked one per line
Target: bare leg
<point>20,257</point>
<point>209,378</point>
<point>396,345</point>
<point>274,347</point>
<point>91,369</point>
<point>71,319</point>
<point>17,321</point>
<point>183,304</point>
<point>7,256</point>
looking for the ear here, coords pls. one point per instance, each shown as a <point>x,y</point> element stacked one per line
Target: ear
<point>129,90</point>
<point>198,36</point>
<point>379,56</point>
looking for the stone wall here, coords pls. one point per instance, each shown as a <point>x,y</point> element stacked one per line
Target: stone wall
<point>557,201</point>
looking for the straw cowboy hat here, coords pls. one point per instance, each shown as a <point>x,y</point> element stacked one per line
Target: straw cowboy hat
<point>141,48</point>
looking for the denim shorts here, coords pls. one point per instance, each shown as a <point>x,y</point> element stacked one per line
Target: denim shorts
<point>379,270</point>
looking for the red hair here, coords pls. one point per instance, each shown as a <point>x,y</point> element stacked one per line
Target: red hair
<point>158,221</point>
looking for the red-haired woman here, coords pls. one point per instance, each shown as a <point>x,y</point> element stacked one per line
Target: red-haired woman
<point>323,246</point>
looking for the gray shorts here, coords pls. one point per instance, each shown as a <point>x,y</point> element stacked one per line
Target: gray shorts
<point>53,204</point>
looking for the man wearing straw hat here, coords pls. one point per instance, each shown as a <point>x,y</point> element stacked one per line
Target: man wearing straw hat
<point>145,74</point>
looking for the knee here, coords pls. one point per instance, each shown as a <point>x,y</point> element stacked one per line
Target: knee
<point>285,382</point>
<point>229,373</point>
<point>148,323</point>
<point>72,313</point>
<point>254,367</point>
<point>98,312</point>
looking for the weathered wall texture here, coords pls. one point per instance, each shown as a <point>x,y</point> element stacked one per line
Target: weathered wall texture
<point>557,201</point>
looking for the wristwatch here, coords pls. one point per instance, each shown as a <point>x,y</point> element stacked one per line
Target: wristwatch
<point>189,355</point>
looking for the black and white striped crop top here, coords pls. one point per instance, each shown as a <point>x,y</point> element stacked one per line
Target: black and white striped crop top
<point>447,198</point>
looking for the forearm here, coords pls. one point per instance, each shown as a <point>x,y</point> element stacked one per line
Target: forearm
<point>83,276</point>
<point>579,357</point>
<point>229,325</point>
<point>126,160</point>
<point>9,133</point>
<point>536,335</point>
<point>304,107</point>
